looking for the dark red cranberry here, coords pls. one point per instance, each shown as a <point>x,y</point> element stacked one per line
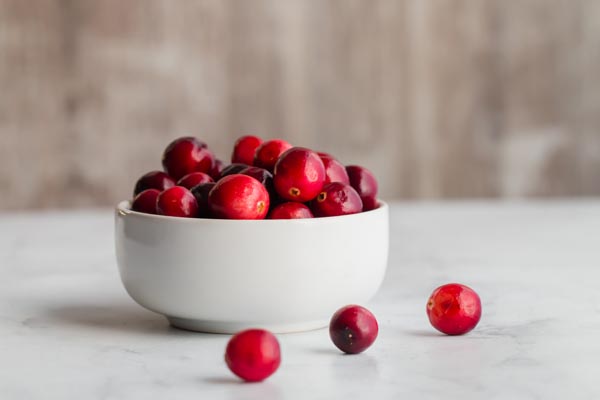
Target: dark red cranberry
<point>201,192</point>
<point>194,179</point>
<point>353,329</point>
<point>186,155</point>
<point>454,309</point>
<point>261,175</point>
<point>153,180</point>
<point>334,170</point>
<point>232,169</point>
<point>244,149</point>
<point>217,168</point>
<point>290,210</point>
<point>145,201</point>
<point>253,354</point>
<point>365,184</point>
<point>239,196</point>
<point>177,202</point>
<point>336,198</point>
<point>269,152</point>
<point>299,175</point>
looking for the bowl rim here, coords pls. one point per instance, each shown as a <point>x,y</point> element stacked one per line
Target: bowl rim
<point>123,209</point>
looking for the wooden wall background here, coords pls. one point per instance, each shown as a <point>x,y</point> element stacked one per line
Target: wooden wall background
<point>442,99</point>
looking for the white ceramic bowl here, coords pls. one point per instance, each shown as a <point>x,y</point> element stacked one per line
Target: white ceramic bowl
<point>215,275</point>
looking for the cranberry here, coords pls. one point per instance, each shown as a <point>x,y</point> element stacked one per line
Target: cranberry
<point>253,354</point>
<point>201,192</point>
<point>145,201</point>
<point>365,184</point>
<point>353,329</point>
<point>186,155</point>
<point>334,170</point>
<point>299,174</point>
<point>177,202</point>
<point>336,198</point>
<point>153,180</point>
<point>245,149</point>
<point>261,175</point>
<point>290,210</point>
<point>232,169</point>
<point>269,152</point>
<point>239,197</point>
<point>217,168</point>
<point>194,179</point>
<point>454,309</point>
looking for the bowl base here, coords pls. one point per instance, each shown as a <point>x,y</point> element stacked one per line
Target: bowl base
<point>205,326</point>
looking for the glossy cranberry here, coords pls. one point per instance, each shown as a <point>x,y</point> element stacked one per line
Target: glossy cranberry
<point>454,309</point>
<point>290,210</point>
<point>253,354</point>
<point>233,169</point>
<point>145,201</point>
<point>299,175</point>
<point>353,329</point>
<point>153,180</point>
<point>334,170</point>
<point>365,184</point>
<point>186,155</point>
<point>269,152</point>
<point>244,149</point>
<point>261,175</point>
<point>217,168</point>
<point>239,196</point>
<point>201,193</point>
<point>194,179</point>
<point>336,198</point>
<point>177,202</point>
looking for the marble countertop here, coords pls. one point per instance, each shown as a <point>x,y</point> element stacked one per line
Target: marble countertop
<point>69,331</point>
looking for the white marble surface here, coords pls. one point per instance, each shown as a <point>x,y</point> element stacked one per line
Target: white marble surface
<point>69,331</point>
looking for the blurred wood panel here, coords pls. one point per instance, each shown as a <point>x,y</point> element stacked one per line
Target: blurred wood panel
<point>442,99</point>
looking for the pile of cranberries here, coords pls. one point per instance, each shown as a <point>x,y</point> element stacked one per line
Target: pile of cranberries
<point>266,179</point>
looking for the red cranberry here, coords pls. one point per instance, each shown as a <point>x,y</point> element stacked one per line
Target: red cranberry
<point>353,329</point>
<point>299,175</point>
<point>290,210</point>
<point>239,197</point>
<point>194,179</point>
<point>336,198</point>
<point>217,168</point>
<point>334,170</point>
<point>244,149</point>
<point>253,354</point>
<point>232,169</point>
<point>269,152</point>
<point>261,175</point>
<point>454,309</point>
<point>177,202</point>
<point>145,201</point>
<point>365,184</point>
<point>201,192</point>
<point>153,180</point>
<point>186,155</point>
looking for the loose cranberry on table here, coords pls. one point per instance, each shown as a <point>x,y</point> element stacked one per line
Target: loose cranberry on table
<point>269,152</point>
<point>153,180</point>
<point>186,155</point>
<point>201,193</point>
<point>239,196</point>
<point>299,175</point>
<point>145,201</point>
<point>253,354</point>
<point>290,210</point>
<point>336,198</point>
<point>353,329</point>
<point>177,202</point>
<point>244,149</point>
<point>217,168</point>
<point>232,169</point>
<point>334,170</point>
<point>454,309</point>
<point>365,184</point>
<point>194,179</point>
